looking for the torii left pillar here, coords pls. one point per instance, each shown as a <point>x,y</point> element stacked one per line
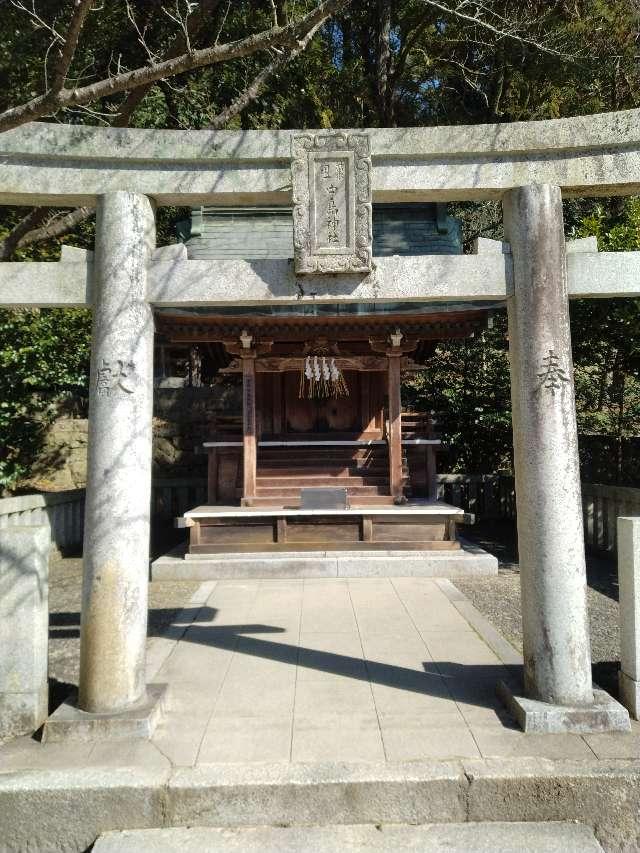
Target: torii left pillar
<point>117,515</point>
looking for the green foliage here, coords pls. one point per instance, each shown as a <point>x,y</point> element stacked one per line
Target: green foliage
<point>617,230</point>
<point>44,362</point>
<point>606,344</point>
<point>436,69</point>
<point>466,386</point>
<point>466,383</point>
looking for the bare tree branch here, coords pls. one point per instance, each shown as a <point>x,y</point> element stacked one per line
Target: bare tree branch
<point>195,25</point>
<point>479,15</point>
<point>287,36</point>
<point>274,12</point>
<point>255,88</point>
<point>39,22</point>
<point>65,58</point>
<point>57,226</point>
<point>28,230</point>
<point>13,240</point>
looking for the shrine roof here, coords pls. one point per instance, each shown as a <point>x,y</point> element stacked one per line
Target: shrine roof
<point>267,232</point>
<point>323,312</point>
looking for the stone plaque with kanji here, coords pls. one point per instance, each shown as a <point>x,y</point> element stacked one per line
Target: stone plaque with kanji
<point>331,175</point>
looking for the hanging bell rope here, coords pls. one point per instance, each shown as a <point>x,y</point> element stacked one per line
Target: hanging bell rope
<point>320,377</point>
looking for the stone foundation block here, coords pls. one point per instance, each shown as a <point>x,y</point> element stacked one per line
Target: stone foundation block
<point>66,810</point>
<point>630,694</point>
<point>605,715</point>
<point>68,722</point>
<point>629,587</point>
<point>24,629</point>
<point>428,838</point>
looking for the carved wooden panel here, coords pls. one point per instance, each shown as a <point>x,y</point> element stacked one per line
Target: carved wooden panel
<point>331,177</point>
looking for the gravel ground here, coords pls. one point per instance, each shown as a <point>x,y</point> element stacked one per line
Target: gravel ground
<point>498,598</point>
<point>65,589</point>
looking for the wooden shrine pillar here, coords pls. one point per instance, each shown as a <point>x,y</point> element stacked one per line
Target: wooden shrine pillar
<point>395,424</point>
<point>249,440</point>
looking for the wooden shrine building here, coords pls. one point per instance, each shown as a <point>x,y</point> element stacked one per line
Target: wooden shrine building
<point>321,392</point>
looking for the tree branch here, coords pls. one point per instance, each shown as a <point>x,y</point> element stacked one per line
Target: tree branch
<point>27,231</point>
<point>24,234</point>
<point>515,34</point>
<point>258,83</point>
<point>287,36</point>
<point>65,58</point>
<point>13,240</point>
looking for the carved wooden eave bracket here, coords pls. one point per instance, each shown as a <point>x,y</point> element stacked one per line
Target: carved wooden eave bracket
<point>247,348</point>
<point>386,346</point>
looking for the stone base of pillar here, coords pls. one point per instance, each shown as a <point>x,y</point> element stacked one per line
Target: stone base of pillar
<point>630,694</point>
<point>534,717</point>
<point>69,723</point>
<point>23,713</point>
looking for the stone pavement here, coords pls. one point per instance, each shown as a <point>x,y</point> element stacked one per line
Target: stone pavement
<point>367,700</point>
<point>332,670</point>
<point>345,670</point>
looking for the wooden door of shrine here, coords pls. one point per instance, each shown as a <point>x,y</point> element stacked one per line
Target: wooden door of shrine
<point>321,415</point>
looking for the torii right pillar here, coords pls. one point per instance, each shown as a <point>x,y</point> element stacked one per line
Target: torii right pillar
<point>558,691</point>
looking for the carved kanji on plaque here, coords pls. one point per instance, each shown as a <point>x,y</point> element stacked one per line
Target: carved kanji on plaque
<point>331,175</point>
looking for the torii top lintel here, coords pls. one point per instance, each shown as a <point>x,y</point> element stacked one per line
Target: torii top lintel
<point>54,164</point>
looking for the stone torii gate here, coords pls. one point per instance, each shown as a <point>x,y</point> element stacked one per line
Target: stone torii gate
<point>127,173</point>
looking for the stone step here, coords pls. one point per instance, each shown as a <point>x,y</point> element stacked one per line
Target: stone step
<point>553,837</point>
<point>294,502</point>
<point>300,481</point>
<point>294,491</point>
<point>335,470</point>
<point>370,500</point>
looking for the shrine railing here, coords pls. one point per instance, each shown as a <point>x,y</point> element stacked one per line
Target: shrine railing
<point>488,496</point>
<point>493,496</point>
<point>601,507</point>
<point>170,498</point>
<point>62,512</point>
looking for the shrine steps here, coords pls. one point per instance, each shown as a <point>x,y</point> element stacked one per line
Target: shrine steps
<point>293,491</point>
<point>336,481</point>
<point>319,561</point>
<point>322,455</point>
<point>363,471</point>
<point>294,502</point>
<point>336,470</point>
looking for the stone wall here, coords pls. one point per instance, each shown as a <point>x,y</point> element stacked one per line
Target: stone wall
<point>62,464</point>
<point>183,419</point>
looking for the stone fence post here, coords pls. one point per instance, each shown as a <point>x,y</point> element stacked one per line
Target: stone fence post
<point>629,590</point>
<point>24,629</point>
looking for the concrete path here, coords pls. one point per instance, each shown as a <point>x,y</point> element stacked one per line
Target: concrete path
<point>349,670</point>
<point>357,701</point>
<point>384,670</point>
<point>432,838</point>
